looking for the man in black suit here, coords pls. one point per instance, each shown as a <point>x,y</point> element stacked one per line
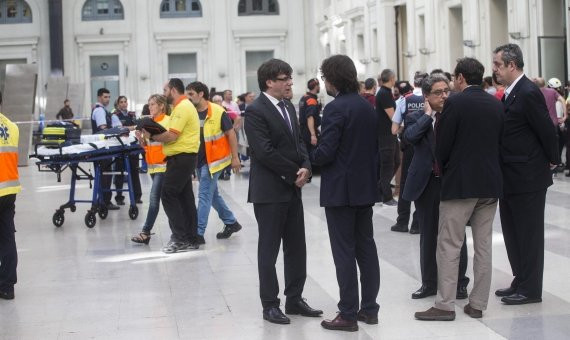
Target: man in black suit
<point>424,184</point>
<point>529,146</point>
<point>467,149</point>
<point>349,172</point>
<point>280,167</point>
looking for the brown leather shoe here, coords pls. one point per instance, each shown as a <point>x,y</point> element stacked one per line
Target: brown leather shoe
<point>368,319</point>
<point>340,324</point>
<point>435,314</point>
<point>472,312</point>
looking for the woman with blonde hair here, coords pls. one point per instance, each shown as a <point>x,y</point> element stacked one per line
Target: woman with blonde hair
<point>159,112</point>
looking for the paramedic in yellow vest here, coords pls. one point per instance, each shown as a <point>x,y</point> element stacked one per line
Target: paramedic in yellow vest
<point>9,187</point>
<point>218,149</point>
<point>156,165</point>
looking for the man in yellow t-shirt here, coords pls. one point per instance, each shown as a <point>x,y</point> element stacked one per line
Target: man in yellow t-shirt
<point>180,146</point>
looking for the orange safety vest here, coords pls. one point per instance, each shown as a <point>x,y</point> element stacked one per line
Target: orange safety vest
<point>9,179</point>
<point>155,158</point>
<point>216,143</point>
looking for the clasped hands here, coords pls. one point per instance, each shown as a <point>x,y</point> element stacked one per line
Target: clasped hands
<point>302,177</point>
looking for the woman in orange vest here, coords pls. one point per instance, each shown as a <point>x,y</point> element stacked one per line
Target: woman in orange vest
<point>156,164</point>
<point>9,187</point>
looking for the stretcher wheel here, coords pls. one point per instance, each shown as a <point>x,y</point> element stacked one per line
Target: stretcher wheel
<point>73,208</point>
<point>90,219</point>
<point>133,212</point>
<point>58,218</point>
<point>103,212</point>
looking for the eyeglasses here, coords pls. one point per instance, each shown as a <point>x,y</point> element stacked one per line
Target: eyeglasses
<point>439,93</point>
<point>284,78</point>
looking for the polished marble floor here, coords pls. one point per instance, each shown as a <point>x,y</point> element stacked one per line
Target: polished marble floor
<point>80,283</point>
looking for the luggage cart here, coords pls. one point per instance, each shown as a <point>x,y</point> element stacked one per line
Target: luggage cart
<point>113,148</point>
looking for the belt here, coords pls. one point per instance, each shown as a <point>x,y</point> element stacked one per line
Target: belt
<point>181,155</point>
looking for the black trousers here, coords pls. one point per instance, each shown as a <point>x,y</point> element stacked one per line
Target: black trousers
<point>106,180</point>
<point>352,242</point>
<point>8,253</point>
<point>427,207</point>
<point>276,222</point>
<point>178,198</point>
<point>405,206</point>
<point>522,220</point>
<point>387,146</point>
<point>120,179</point>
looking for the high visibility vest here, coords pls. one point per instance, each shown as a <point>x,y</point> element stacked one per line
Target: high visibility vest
<point>9,179</point>
<point>155,158</point>
<point>216,143</point>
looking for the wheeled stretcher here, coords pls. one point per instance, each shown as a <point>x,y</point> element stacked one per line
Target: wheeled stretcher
<point>96,149</point>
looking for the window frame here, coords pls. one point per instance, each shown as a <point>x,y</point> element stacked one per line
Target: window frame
<point>19,18</point>
<point>188,13</point>
<point>94,16</point>
<point>265,8</point>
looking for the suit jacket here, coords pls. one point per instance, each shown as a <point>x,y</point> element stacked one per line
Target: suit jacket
<point>467,145</point>
<point>347,152</point>
<point>276,152</point>
<point>419,133</point>
<point>529,140</point>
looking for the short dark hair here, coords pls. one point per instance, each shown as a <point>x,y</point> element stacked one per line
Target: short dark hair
<point>311,84</point>
<point>511,52</point>
<point>177,84</point>
<point>369,83</point>
<point>386,75</point>
<point>199,87</point>
<point>339,70</point>
<point>66,101</point>
<point>429,81</point>
<point>471,69</point>
<point>419,78</point>
<point>270,70</point>
<point>224,93</point>
<point>404,87</point>
<point>436,70</point>
<point>102,91</point>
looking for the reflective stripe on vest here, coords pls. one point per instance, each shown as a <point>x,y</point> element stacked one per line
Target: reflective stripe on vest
<point>9,135</point>
<point>216,143</point>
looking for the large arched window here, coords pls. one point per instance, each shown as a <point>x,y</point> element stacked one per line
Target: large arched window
<point>15,12</point>
<point>102,10</point>
<point>180,8</point>
<point>258,7</point>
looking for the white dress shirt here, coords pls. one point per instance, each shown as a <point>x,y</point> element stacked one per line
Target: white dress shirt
<point>276,101</point>
<point>512,86</point>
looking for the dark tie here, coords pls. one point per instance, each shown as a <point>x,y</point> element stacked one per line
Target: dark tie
<point>281,105</point>
<point>435,167</point>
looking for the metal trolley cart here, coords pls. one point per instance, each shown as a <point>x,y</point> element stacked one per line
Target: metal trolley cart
<point>112,148</point>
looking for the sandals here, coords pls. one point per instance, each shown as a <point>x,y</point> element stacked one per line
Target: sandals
<point>141,238</point>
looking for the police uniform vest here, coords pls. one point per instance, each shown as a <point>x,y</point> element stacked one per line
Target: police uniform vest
<point>94,128</point>
<point>307,100</point>
<point>216,143</point>
<point>413,103</point>
<point>127,119</point>
<point>9,178</point>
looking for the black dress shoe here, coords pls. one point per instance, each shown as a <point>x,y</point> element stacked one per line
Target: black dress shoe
<point>399,228</point>
<point>111,206</point>
<point>414,231</point>
<point>6,295</point>
<point>505,291</point>
<point>300,307</point>
<point>423,292</point>
<point>368,319</point>
<point>519,299</point>
<point>461,293</point>
<point>275,315</point>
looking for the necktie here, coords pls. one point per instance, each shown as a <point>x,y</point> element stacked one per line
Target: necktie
<point>281,105</point>
<point>435,167</point>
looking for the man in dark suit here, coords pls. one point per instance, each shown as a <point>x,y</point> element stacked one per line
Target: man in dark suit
<point>349,172</point>
<point>529,146</point>
<point>424,184</point>
<point>279,168</point>
<point>467,149</point>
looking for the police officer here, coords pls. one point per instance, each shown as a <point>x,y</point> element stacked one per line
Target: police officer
<point>310,115</point>
<point>9,187</point>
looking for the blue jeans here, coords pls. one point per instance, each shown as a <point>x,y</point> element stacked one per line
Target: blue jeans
<point>154,201</point>
<point>208,196</point>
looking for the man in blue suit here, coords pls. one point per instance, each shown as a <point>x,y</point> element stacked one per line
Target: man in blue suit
<point>346,153</point>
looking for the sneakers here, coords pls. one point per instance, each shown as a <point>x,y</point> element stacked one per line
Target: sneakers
<point>174,247</point>
<point>228,230</point>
